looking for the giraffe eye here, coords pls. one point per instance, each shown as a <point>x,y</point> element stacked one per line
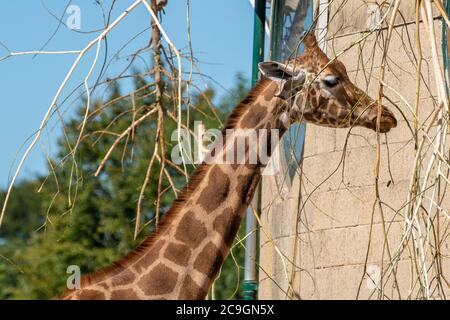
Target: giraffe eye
<point>330,81</point>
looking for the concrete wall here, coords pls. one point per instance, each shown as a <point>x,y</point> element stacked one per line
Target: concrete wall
<point>325,239</point>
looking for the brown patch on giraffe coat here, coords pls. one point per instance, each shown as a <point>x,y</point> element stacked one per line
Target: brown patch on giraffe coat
<point>191,291</point>
<point>124,294</point>
<point>227,224</point>
<point>216,192</point>
<point>178,253</point>
<point>104,285</point>
<point>269,93</point>
<point>123,278</point>
<point>88,294</point>
<point>149,257</point>
<point>190,230</point>
<point>253,117</point>
<point>246,184</point>
<point>209,260</point>
<point>160,280</point>
<point>322,101</point>
<point>333,114</point>
<point>263,87</point>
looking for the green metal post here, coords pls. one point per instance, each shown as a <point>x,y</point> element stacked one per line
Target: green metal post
<point>258,37</point>
<point>445,47</point>
<point>275,30</point>
<point>250,285</point>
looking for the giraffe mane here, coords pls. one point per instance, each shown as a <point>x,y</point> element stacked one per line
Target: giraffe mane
<point>240,109</point>
<point>194,181</point>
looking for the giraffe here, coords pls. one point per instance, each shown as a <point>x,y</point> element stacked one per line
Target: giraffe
<point>183,257</point>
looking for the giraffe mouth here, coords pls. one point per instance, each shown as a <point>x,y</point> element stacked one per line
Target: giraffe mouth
<point>387,122</point>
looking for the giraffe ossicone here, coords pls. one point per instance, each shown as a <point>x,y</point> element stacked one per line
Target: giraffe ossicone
<point>183,257</point>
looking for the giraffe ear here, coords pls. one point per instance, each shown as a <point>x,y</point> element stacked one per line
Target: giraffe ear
<point>284,75</point>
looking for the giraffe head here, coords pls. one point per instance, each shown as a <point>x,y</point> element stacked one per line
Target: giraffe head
<point>318,90</point>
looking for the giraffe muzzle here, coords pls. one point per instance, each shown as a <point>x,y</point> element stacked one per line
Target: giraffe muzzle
<point>387,122</point>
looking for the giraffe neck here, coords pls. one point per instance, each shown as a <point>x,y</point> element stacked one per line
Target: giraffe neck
<point>182,259</point>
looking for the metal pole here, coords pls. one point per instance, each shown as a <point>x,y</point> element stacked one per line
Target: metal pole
<point>275,30</point>
<point>445,46</point>
<point>250,285</point>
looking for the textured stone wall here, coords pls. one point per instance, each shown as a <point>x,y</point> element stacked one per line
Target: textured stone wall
<point>323,236</point>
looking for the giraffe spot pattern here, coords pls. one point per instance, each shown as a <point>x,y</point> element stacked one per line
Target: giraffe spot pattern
<point>160,280</point>
<point>321,102</point>
<point>244,185</point>
<point>125,294</point>
<point>269,94</point>
<point>104,285</point>
<point>217,192</point>
<point>253,117</point>
<point>209,260</point>
<point>190,290</point>
<point>148,258</point>
<point>333,115</point>
<point>239,156</point>
<point>178,253</point>
<point>123,278</point>
<point>227,224</point>
<point>89,294</point>
<point>190,230</point>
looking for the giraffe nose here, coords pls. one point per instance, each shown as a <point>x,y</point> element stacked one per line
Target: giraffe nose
<point>387,122</point>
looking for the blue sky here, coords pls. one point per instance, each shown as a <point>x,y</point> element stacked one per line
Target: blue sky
<point>221,38</point>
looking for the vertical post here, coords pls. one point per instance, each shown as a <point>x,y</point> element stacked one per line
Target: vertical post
<point>445,45</point>
<point>250,285</point>
<point>275,29</point>
<point>258,37</point>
